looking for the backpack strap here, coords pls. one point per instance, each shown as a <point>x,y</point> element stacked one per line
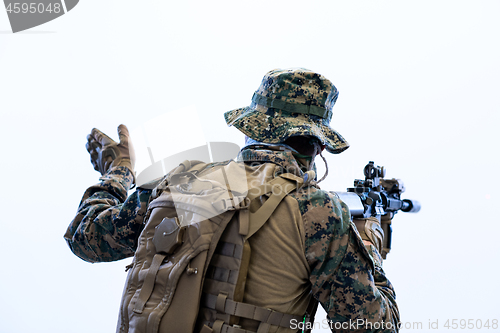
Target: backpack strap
<point>267,317</point>
<point>149,283</point>
<point>278,188</point>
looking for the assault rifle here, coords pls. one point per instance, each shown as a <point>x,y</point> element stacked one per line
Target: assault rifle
<point>378,197</point>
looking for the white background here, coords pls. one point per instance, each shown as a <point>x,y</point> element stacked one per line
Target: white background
<point>419,89</point>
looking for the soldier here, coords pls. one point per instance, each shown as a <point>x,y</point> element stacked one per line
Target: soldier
<point>307,251</point>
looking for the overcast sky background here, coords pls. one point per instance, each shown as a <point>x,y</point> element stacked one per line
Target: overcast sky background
<point>419,90</point>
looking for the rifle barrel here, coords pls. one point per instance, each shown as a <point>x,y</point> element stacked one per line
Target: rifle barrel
<point>411,206</point>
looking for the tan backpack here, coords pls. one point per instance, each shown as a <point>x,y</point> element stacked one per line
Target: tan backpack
<point>196,230</point>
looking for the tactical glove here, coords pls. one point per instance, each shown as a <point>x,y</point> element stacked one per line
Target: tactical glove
<point>105,153</point>
<point>370,230</point>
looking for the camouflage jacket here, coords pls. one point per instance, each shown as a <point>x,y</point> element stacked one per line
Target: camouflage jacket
<point>346,277</point>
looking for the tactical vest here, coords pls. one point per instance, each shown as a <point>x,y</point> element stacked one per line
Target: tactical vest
<point>190,269</point>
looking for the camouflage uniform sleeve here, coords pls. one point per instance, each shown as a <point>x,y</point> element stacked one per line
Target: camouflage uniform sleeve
<point>107,224</point>
<point>346,277</point>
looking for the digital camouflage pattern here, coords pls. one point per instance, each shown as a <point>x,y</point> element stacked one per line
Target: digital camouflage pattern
<point>108,223</point>
<point>270,117</point>
<point>346,277</point>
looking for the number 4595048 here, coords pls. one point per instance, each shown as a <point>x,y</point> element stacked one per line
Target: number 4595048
<point>33,7</point>
<point>471,324</point>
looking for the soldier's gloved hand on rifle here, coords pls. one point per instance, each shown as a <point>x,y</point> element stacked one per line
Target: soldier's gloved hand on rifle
<point>371,232</point>
<point>105,153</point>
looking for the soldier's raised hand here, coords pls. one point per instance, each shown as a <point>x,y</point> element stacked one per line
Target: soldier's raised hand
<point>105,153</point>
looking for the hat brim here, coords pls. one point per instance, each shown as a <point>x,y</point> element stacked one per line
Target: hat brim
<point>277,126</point>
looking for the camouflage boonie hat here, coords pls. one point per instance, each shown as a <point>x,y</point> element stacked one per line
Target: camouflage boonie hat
<point>290,102</point>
